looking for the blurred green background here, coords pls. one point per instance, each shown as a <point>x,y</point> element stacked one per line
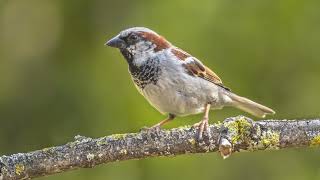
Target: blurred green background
<point>57,79</point>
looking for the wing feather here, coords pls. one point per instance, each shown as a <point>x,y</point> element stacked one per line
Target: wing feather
<point>194,67</point>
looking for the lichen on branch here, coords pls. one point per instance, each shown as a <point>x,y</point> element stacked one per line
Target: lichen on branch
<point>233,135</point>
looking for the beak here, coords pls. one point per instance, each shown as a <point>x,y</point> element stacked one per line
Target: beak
<point>116,42</point>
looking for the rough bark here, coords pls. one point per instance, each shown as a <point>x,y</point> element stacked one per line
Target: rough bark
<point>233,135</point>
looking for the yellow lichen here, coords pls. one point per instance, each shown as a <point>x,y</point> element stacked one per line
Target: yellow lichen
<point>315,141</point>
<point>192,141</point>
<point>232,126</point>
<point>243,125</point>
<point>219,123</point>
<point>239,128</point>
<point>123,151</point>
<point>185,127</point>
<point>269,140</point>
<point>118,136</point>
<point>46,149</point>
<point>19,168</point>
<point>72,144</point>
<point>102,142</point>
<point>235,139</point>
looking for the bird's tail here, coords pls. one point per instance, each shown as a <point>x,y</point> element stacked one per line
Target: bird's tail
<point>249,106</point>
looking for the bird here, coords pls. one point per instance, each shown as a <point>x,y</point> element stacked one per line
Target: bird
<point>174,82</point>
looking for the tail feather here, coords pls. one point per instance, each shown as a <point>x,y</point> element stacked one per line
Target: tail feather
<point>249,106</point>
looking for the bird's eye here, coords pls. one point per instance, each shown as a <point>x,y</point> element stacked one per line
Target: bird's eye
<point>133,37</point>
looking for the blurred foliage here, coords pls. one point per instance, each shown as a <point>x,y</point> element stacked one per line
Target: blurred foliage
<point>57,79</point>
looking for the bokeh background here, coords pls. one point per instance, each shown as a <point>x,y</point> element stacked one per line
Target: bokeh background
<point>57,79</point>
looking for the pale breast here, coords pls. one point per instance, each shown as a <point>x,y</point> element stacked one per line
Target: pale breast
<point>165,84</point>
<point>179,93</point>
<point>167,97</point>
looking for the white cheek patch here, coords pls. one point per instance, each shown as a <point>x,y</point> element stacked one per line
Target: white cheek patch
<point>140,59</point>
<point>141,51</point>
<point>144,46</point>
<point>132,49</point>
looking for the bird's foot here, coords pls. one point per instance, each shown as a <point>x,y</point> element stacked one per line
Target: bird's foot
<point>203,126</point>
<point>157,127</point>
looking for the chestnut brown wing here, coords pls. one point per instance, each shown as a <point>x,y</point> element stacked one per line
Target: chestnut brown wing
<point>195,68</point>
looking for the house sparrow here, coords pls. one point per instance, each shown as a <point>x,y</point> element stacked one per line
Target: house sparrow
<point>173,81</point>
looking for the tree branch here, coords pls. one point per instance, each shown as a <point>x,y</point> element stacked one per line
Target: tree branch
<point>233,135</point>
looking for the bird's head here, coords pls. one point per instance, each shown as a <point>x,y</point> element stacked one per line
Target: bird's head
<point>138,41</point>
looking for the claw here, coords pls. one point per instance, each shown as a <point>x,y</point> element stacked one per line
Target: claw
<point>203,127</point>
<point>157,127</point>
<point>203,124</point>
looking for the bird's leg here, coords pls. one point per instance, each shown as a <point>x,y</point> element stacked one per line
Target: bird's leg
<point>203,124</point>
<point>158,125</point>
